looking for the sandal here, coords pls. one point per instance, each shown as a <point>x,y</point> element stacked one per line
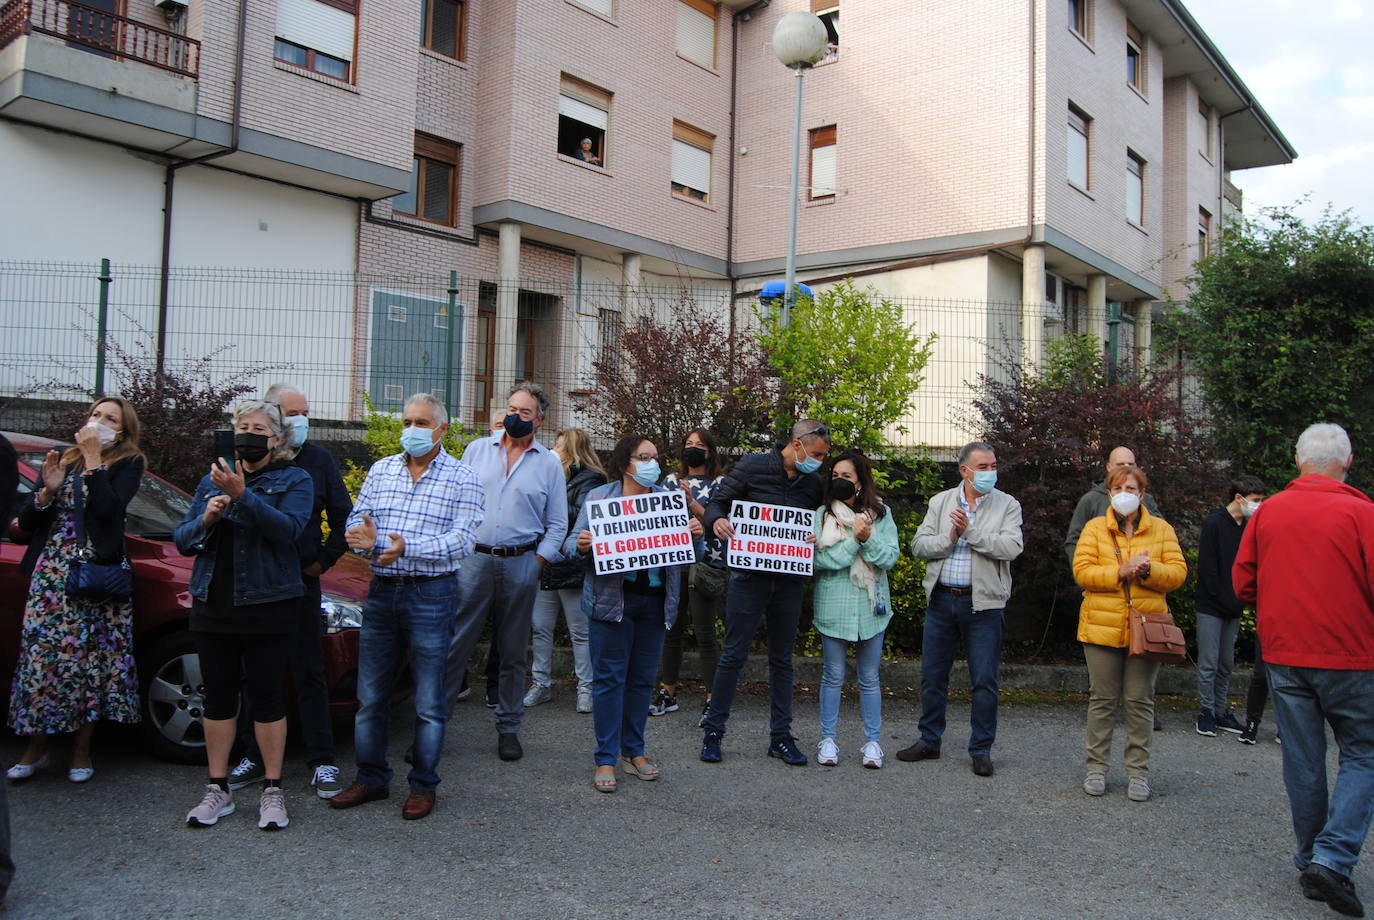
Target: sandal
<point>649,772</point>
<point>604,782</point>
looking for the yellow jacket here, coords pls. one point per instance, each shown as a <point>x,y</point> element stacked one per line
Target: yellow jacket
<point>1102,618</point>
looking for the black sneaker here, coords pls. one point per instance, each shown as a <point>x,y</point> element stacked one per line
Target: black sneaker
<point>493,697</point>
<point>248,772</point>
<point>1206,723</point>
<point>1227,722</point>
<point>663,703</point>
<point>786,750</point>
<point>1322,884</point>
<point>710,747</point>
<point>705,708</point>
<point>1251,733</point>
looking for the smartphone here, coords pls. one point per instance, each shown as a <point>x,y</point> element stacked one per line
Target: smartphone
<point>224,445</point>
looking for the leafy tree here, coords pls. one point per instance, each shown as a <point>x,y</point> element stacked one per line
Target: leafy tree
<point>671,375</point>
<point>847,359</point>
<point>1279,327</point>
<point>1052,430</point>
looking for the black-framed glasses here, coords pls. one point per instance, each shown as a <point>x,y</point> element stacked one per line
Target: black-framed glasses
<point>644,458</point>
<point>820,431</point>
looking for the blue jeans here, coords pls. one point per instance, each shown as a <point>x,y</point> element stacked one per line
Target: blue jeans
<point>868,654</point>
<point>395,617</point>
<point>1329,831</point>
<point>624,663</point>
<point>1216,654</point>
<point>750,598</point>
<point>948,618</point>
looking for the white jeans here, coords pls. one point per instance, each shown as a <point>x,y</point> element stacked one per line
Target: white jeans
<point>546,604</point>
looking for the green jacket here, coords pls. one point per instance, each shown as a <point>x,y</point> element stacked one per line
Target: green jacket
<point>840,609</point>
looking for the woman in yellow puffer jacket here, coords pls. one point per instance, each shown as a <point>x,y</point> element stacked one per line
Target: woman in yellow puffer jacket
<point>1124,546</point>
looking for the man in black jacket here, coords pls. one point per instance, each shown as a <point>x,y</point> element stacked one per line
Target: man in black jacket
<point>332,503</point>
<point>783,476</point>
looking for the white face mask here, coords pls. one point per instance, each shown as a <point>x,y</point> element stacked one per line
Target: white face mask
<point>104,432</point>
<point>1248,508</point>
<point>1126,503</point>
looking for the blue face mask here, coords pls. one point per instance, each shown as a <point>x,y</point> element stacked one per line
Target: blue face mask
<point>647,472</point>
<point>808,464</point>
<point>984,481</point>
<point>299,426</point>
<point>417,441</point>
<point>516,426</point>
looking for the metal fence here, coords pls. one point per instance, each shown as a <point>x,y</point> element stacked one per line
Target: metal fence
<point>350,340</point>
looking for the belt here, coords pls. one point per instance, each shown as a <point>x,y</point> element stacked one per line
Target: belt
<point>957,592</point>
<point>503,551</point>
<point>407,580</point>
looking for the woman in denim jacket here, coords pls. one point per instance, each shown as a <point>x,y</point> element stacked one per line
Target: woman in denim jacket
<point>628,616</point>
<point>242,528</point>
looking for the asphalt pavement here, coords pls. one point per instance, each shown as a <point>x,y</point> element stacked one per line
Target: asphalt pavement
<point>747,838</point>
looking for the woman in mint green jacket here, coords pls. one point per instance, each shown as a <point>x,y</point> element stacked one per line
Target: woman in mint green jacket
<point>856,545</point>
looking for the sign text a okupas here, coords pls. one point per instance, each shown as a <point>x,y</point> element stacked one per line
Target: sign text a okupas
<point>640,532</point>
<point>771,538</point>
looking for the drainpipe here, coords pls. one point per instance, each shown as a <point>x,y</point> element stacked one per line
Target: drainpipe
<point>746,14</point>
<point>169,181</point>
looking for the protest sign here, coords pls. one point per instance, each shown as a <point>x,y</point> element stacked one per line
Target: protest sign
<point>771,538</point>
<point>639,532</point>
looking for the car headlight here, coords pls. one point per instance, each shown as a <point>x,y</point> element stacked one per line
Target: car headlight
<point>340,613</point>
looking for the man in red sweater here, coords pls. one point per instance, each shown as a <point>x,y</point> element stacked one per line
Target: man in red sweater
<point>1307,561</point>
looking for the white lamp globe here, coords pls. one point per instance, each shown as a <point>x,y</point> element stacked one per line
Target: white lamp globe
<point>799,39</point>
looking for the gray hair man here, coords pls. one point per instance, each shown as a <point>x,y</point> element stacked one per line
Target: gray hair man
<point>1306,561</point>
<point>969,537</point>
<point>526,517</point>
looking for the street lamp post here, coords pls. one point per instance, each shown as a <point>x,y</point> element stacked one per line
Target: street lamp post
<point>798,42</point>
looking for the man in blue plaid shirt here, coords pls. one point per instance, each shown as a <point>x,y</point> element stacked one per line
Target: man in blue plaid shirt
<point>417,517</point>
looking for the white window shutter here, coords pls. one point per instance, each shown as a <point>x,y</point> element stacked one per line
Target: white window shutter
<point>692,166</point>
<point>696,36</point>
<point>581,111</point>
<point>317,26</point>
<point>823,171</point>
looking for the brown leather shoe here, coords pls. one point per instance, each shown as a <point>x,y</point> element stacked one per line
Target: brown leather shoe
<point>419,803</point>
<point>358,794</point>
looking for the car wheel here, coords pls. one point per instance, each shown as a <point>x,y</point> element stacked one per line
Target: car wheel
<point>173,699</point>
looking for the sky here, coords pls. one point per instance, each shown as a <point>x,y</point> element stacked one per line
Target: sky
<point>1309,64</point>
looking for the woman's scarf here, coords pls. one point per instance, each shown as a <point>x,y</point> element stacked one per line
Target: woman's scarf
<point>836,526</point>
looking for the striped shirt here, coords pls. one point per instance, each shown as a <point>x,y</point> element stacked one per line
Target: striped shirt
<point>437,515</point>
<point>958,568</point>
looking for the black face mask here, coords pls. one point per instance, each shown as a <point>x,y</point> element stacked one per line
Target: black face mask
<point>516,426</point>
<point>694,456</point>
<point>842,489</point>
<point>249,447</point>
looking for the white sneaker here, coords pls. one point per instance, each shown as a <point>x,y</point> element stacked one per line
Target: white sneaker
<point>1095,783</point>
<point>584,699</point>
<point>873,755</point>
<point>1138,790</point>
<point>216,804</point>
<point>272,809</point>
<point>538,694</point>
<point>828,755</point>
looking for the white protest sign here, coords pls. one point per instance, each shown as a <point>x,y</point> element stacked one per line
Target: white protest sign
<point>640,532</point>
<point>771,538</point>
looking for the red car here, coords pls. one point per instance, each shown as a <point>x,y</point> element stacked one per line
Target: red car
<point>168,667</point>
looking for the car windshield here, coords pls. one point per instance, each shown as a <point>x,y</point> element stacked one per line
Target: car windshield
<point>154,513</point>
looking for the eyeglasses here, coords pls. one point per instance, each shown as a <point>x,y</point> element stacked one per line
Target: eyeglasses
<point>820,431</point>
<point>644,457</point>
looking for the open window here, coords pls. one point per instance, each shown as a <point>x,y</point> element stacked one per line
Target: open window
<point>692,161</point>
<point>828,11</point>
<point>584,114</point>
<point>317,35</point>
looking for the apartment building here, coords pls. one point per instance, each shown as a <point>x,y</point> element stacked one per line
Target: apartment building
<point>560,157</point>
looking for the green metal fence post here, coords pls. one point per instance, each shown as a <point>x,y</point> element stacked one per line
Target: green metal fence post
<point>448,349</point>
<point>100,322</point>
<point>1113,338</point>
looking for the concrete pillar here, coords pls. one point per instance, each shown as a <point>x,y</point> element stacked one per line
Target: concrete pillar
<point>1097,306</point>
<point>1144,333</point>
<point>1032,307</point>
<point>629,281</point>
<point>507,312</point>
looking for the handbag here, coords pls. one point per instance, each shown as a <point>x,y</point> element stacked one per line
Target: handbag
<point>1153,636</point>
<point>87,579</point>
<point>565,573</point>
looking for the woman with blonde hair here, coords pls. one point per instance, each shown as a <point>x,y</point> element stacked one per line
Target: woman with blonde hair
<point>76,661</point>
<point>560,582</point>
<point>1126,558</point>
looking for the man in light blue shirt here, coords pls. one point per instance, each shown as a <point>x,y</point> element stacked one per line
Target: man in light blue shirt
<point>416,518</point>
<point>526,518</point>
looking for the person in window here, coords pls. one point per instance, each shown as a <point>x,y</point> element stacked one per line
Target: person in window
<point>76,661</point>
<point>628,615</point>
<point>242,527</point>
<point>586,154</point>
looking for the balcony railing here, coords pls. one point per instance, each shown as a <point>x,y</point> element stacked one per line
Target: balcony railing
<point>100,32</point>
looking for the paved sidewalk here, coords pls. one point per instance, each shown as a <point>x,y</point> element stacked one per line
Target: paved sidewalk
<point>748,838</point>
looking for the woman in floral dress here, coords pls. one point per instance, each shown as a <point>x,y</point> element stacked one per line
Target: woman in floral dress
<point>76,661</point>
